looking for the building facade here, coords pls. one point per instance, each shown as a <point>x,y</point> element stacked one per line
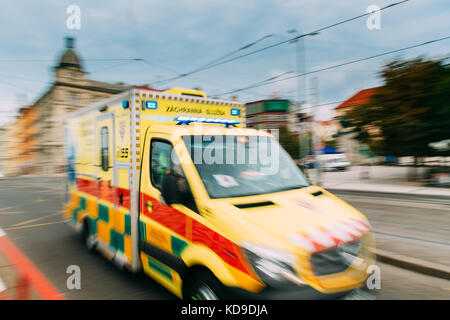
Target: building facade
<point>10,152</point>
<point>327,130</point>
<point>3,159</point>
<point>276,113</point>
<point>346,139</point>
<point>71,90</point>
<point>26,145</point>
<point>268,114</point>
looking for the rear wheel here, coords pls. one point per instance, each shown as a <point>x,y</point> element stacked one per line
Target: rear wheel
<point>89,239</point>
<point>204,286</point>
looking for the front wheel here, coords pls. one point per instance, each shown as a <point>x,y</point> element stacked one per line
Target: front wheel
<point>204,286</point>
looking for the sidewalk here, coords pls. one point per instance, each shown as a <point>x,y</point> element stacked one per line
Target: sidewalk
<point>383,179</point>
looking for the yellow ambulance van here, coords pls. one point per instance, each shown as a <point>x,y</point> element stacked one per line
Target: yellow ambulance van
<point>173,184</point>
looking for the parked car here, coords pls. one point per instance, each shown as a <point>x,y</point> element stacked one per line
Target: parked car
<point>439,177</point>
<point>333,162</point>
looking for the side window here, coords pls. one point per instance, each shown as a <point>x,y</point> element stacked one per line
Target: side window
<point>160,161</point>
<point>104,152</point>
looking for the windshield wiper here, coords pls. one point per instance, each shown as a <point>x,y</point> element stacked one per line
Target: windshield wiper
<point>300,186</point>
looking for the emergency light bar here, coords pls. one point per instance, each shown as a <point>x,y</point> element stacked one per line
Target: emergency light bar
<point>189,119</point>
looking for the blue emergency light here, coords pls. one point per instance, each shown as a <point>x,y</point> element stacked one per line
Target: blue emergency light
<point>235,112</point>
<point>152,105</point>
<point>189,119</point>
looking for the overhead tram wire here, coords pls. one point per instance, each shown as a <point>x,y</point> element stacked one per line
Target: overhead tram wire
<point>205,66</point>
<point>116,65</point>
<point>235,51</point>
<point>329,103</point>
<point>52,60</point>
<point>153,64</point>
<point>267,82</point>
<point>2,75</point>
<point>212,64</point>
<point>197,79</point>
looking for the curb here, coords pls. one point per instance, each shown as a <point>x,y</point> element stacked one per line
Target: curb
<point>385,193</point>
<point>413,264</point>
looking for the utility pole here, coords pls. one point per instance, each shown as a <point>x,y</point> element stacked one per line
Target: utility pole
<point>315,123</point>
<point>301,88</point>
<point>300,64</point>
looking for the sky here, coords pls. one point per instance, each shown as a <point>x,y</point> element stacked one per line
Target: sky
<point>177,36</point>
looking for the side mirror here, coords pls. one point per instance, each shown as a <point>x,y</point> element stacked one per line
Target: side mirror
<point>169,189</point>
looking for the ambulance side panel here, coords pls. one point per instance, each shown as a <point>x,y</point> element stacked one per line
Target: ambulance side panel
<point>98,152</point>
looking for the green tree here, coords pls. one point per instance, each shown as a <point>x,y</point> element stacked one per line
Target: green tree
<point>409,111</point>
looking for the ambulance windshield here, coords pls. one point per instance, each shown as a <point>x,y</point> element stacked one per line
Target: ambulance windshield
<point>237,166</point>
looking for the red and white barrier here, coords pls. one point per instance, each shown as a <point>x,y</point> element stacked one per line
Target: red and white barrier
<point>29,278</point>
<point>3,295</point>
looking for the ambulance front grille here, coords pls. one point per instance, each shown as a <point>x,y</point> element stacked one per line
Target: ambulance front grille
<point>335,260</point>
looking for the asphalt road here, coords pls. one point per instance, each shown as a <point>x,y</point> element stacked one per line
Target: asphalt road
<point>30,213</point>
<point>407,225</point>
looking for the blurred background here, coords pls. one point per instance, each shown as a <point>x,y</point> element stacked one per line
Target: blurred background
<point>359,91</point>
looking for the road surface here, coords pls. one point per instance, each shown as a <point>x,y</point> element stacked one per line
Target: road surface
<point>30,213</point>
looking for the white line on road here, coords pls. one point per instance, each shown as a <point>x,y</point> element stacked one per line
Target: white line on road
<point>412,204</point>
<point>410,225</point>
<point>412,238</point>
<point>36,219</point>
<point>12,212</point>
<point>6,208</point>
<point>35,225</point>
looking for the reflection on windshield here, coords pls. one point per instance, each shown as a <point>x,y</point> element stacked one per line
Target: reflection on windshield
<point>235,166</point>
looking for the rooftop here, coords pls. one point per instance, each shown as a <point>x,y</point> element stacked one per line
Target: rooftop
<point>359,98</point>
<point>69,58</point>
<point>261,101</point>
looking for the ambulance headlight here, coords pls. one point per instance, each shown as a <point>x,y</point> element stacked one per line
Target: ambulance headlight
<point>270,264</point>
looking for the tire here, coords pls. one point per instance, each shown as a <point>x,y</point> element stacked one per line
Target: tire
<point>204,286</point>
<point>88,238</point>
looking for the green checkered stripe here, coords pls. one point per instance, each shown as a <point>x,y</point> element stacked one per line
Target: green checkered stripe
<point>116,239</point>
<point>81,207</point>
<point>160,268</point>
<point>177,246</point>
